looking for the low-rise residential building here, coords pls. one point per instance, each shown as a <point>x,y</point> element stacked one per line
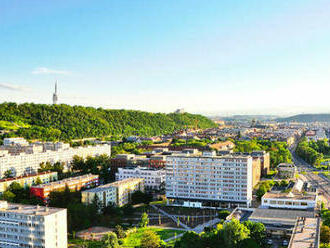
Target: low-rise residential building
<point>28,180</point>
<point>118,193</point>
<point>153,178</point>
<point>286,170</point>
<point>15,141</point>
<point>32,226</point>
<point>209,180</point>
<point>289,200</point>
<point>73,183</point>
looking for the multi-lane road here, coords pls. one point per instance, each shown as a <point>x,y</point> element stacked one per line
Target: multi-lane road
<point>312,176</point>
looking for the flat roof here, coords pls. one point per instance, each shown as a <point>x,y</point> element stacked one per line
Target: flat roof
<point>288,196</point>
<point>27,209</point>
<point>280,214</point>
<point>66,180</point>
<point>114,184</point>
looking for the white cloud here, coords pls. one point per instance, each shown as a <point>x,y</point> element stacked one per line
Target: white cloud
<point>44,70</point>
<point>13,87</point>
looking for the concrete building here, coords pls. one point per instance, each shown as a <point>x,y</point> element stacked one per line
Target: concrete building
<point>295,199</point>
<point>289,200</point>
<point>73,183</point>
<point>286,170</point>
<point>153,178</point>
<point>15,141</point>
<point>23,160</point>
<point>32,226</point>
<point>28,180</point>
<point>118,193</point>
<point>209,180</point>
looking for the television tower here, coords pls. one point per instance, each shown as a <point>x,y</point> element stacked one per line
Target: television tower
<point>55,98</point>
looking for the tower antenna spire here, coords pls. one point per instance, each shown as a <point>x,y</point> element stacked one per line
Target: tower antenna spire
<point>55,97</point>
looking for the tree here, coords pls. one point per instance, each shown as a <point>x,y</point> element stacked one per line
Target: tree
<point>188,240</point>
<point>257,232</point>
<point>150,239</point>
<point>110,240</point>
<point>120,232</point>
<point>261,191</point>
<point>140,197</point>
<point>38,181</point>
<point>223,214</point>
<point>234,232</point>
<point>8,196</point>
<point>7,174</point>
<point>144,220</point>
<point>325,234</point>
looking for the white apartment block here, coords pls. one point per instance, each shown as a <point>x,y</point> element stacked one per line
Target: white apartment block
<point>118,193</point>
<point>289,200</point>
<point>153,178</point>
<point>209,180</point>
<point>32,226</point>
<point>28,162</point>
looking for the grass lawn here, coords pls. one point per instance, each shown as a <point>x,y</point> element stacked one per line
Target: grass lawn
<point>134,239</point>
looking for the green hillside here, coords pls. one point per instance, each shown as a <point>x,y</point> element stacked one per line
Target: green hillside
<point>306,118</point>
<point>64,122</point>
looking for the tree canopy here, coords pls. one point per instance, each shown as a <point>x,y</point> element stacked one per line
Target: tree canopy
<point>64,122</point>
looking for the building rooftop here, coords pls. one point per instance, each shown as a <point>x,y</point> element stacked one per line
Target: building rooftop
<point>290,195</point>
<point>25,176</point>
<point>279,214</point>
<point>206,156</point>
<point>66,181</point>
<point>27,209</point>
<point>114,184</point>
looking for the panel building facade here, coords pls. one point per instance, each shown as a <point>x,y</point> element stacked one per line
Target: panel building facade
<point>209,180</point>
<point>32,226</point>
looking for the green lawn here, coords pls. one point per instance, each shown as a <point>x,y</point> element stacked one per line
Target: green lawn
<point>73,243</point>
<point>134,239</point>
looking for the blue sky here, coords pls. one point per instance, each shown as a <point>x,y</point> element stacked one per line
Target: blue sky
<point>211,57</point>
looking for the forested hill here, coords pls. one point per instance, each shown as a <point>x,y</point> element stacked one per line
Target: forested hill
<point>64,122</point>
<point>307,118</point>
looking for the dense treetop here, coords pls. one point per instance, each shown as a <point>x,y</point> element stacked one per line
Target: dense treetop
<point>64,122</point>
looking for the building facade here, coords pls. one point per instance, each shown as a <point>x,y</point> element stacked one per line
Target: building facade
<point>73,183</point>
<point>198,180</point>
<point>32,226</point>
<point>23,160</point>
<point>28,180</point>
<point>118,193</point>
<point>153,178</point>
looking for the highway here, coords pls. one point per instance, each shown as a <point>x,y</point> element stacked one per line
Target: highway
<point>322,183</point>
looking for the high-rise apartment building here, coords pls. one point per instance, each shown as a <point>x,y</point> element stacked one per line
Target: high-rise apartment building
<point>209,180</point>
<point>32,226</point>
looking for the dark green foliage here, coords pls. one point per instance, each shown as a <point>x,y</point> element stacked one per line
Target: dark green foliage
<point>278,150</point>
<point>312,152</point>
<point>140,197</point>
<point>120,232</point>
<point>64,122</point>
<point>230,235</point>
<point>264,187</point>
<point>223,214</point>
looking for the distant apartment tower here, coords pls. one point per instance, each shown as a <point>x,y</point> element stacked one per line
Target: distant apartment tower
<point>118,193</point>
<point>32,226</point>
<point>209,180</point>
<point>153,178</point>
<point>73,183</point>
